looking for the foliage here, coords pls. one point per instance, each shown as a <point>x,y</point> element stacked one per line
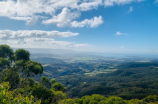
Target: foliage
<point>115,100</point>
<point>32,67</point>
<point>151,98</point>
<point>25,88</point>
<point>136,101</point>
<point>6,52</point>
<point>28,68</point>
<point>47,96</point>
<point>134,80</point>
<point>41,92</point>
<point>10,76</point>
<point>6,97</point>
<point>66,101</point>
<point>19,65</point>
<point>45,82</point>
<point>58,87</point>
<point>98,99</point>
<point>52,81</point>
<point>58,96</point>
<point>4,64</point>
<point>22,54</point>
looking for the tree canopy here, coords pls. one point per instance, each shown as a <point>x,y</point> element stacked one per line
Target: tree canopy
<point>6,52</point>
<point>4,64</point>
<point>22,54</point>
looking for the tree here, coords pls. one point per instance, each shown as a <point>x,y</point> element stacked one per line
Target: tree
<point>10,76</point>
<point>22,54</point>
<point>25,65</point>
<point>19,65</point>
<point>45,81</point>
<point>77,101</point>
<point>58,87</point>
<point>22,89</point>
<point>28,68</point>
<point>52,81</point>
<point>93,102</point>
<point>58,96</point>
<point>33,68</point>
<point>6,97</point>
<point>115,100</point>
<point>136,101</point>
<point>151,98</point>
<point>66,101</point>
<point>4,64</point>
<point>41,92</point>
<point>6,52</point>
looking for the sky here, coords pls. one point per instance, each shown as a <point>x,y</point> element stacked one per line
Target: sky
<point>115,26</point>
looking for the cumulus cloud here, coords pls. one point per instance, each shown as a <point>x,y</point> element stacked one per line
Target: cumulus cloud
<point>37,39</point>
<point>119,33</point>
<point>33,34</point>
<point>94,22</point>
<point>92,4</point>
<point>31,10</point>
<point>130,9</point>
<point>108,3</point>
<point>26,10</point>
<point>63,19</point>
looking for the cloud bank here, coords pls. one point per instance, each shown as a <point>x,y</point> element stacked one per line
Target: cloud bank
<point>37,39</point>
<point>108,3</point>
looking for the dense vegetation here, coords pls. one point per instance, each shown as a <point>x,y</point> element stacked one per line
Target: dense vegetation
<point>87,82</point>
<point>17,68</point>
<point>127,78</point>
<point>129,81</point>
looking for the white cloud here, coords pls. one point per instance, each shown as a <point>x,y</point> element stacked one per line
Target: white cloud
<point>42,43</point>
<point>29,20</point>
<point>5,8</point>
<point>92,4</point>
<point>21,18</point>
<point>32,21</point>
<point>31,10</point>
<point>119,33</point>
<point>108,3</point>
<point>8,34</point>
<point>26,10</point>
<point>65,19</point>
<point>94,22</point>
<point>130,9</point>
<point>37,39</point>
<point>62,19</point>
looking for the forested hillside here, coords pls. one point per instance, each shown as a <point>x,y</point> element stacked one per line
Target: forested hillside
<point>86,75</point>
<point>127,82</point>
<point>80,82</point>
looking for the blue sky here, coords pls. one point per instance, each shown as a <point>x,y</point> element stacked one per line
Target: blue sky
<point>116,26</point>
